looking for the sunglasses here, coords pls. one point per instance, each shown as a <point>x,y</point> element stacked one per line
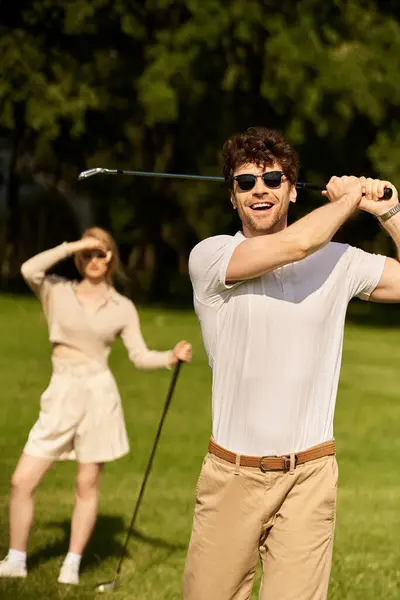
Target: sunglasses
<point>271,179</point>
<point>90,254</point>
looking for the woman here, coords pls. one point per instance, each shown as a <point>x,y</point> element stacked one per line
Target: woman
<point>81,415</point>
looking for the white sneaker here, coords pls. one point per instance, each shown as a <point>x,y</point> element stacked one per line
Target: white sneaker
<point>8,569</point>
<point>69,575</point>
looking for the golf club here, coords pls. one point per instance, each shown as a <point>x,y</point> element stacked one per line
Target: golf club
<point>110,586</point>
<point>99,170</point>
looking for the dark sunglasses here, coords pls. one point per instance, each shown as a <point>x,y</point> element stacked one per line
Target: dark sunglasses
<point>89,254</point>
<point>271,179</point>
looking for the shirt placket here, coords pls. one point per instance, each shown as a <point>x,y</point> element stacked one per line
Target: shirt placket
<point>287,283</point>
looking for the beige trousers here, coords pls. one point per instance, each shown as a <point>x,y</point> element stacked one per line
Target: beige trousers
<point>241,513</point>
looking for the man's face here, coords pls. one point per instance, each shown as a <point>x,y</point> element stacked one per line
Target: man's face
<point>262,209</point>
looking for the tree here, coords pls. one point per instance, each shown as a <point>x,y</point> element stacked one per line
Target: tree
<point>159,86</point>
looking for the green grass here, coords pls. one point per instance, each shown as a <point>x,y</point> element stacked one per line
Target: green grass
<point>367,553</point>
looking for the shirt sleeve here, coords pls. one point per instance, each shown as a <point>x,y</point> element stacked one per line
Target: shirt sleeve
<point>208,263</point>
<point>365,271</point>
<point>138,352</point>
<point>34,270</point>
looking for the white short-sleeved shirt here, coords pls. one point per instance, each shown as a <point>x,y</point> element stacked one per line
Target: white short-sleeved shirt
<point>274,343</point>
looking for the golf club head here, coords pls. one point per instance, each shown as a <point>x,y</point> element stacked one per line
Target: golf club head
<point>90,173</point>
<point>108,586</point>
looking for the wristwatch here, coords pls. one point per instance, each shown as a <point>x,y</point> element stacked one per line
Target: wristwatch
<point>387,215</point>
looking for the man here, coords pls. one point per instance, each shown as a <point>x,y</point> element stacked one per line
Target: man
<point>271,301</point>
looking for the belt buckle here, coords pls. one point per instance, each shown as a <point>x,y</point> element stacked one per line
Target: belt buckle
<point>262,468</point>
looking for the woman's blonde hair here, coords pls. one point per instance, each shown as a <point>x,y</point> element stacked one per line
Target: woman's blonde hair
<point>115,269</point>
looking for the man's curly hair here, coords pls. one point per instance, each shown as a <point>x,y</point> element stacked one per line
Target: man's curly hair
<point>263,147</point>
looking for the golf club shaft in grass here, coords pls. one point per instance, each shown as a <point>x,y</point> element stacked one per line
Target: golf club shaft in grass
<point>146,476</point>
<point>302,185</point>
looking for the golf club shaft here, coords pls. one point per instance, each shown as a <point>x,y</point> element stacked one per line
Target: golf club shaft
<point>150,463</point>
<point>97,171</point>
<point>388,192</point>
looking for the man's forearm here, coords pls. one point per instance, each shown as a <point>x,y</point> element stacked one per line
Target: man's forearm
<point>318,227</point>
<point>392,227</point>
<point>258,255</point>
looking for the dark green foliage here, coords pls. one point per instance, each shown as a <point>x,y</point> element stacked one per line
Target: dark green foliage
<point>160,85</point>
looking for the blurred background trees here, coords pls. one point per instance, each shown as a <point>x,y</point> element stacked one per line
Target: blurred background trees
<point>159,85</point>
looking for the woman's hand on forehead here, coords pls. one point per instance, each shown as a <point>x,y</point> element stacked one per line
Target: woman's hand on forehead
<point>92,243</point>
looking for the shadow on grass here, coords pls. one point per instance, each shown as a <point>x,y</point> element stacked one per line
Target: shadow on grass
<point>103,544</point>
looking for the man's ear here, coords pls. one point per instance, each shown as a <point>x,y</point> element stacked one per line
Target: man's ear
<point>293,194</point>
<point>233,201</point>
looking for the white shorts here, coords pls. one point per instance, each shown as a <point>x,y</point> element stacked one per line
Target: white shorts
<point>81,416</point>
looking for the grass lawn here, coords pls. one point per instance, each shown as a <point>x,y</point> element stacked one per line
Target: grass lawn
<point>367,550</point>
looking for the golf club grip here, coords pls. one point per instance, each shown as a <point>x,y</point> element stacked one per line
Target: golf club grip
<point>387,194</point>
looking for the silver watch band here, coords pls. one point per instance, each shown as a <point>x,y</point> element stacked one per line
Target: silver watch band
<point>387,215</point>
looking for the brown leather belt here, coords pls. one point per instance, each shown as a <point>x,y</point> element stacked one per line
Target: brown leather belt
<point>273,463</point>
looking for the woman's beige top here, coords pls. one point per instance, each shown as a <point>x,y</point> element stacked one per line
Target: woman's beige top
<point>90,333</point>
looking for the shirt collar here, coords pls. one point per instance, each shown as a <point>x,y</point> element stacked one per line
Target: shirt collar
<point>112,294</point>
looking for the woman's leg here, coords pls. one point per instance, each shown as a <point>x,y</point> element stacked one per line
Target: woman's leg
<point>86,501</point>
<point>26,477</point>
<point>83,519</point>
